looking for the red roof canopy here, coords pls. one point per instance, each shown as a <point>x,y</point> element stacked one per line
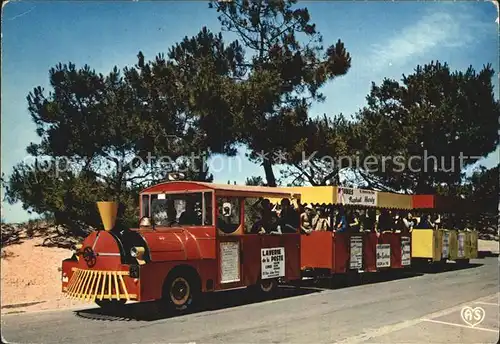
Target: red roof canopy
<point>221,189</point>
<point>442,203</point>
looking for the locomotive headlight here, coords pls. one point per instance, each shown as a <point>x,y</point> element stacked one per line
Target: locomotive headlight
<point>137,252</point>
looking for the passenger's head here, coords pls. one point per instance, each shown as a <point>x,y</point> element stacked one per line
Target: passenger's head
<point>266,204</point>
<point>308,209</point>
<point>145,222</point>
<point>226,209</point>
<point>285,203</point>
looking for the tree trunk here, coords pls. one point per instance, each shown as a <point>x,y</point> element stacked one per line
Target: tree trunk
<point>268,169</point>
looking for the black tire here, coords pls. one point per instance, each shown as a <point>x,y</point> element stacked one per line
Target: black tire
<point>268,286</point>
<point>180,293</point>
<point>264,289</point>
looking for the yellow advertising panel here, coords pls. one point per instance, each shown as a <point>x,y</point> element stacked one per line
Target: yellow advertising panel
<point>316,194</point>
<point>394,201</point>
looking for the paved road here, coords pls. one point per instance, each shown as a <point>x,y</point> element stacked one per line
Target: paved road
<point>419,308</point>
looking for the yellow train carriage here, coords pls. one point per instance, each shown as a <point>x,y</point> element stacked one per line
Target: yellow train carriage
<point>439,245</point>
<point>431,244</point>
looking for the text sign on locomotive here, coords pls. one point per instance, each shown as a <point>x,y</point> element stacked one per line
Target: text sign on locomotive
<point>230,262</point>
<point>383,255</point>
<point>272,262</point>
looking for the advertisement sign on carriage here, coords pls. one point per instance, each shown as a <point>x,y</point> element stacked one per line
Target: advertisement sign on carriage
<point>356,256</point>
<point>461,245</point>
<point>405,251</point>
<point>383,255</point>
<point>272,262</point>
<point>446,245</point>
<point>351,196</point>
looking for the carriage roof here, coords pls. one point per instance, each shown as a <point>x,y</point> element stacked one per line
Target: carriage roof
<point>222,189</point>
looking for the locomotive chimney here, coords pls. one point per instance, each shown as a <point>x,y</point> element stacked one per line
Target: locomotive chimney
<point>108,212</point>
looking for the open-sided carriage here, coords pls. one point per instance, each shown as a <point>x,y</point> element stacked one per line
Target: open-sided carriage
<point>449,242</point>
<point>324,253</point>
<point>193,237</point>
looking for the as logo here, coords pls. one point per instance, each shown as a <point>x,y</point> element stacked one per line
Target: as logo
<point>472,317</point>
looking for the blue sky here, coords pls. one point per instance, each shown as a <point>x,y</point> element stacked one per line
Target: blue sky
<point>385,39</point>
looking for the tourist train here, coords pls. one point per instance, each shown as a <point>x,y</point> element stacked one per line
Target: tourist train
<point>196,237</point>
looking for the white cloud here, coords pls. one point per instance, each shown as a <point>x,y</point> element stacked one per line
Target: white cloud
<point>437,29</point>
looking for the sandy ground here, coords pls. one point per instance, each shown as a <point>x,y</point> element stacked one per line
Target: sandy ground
<point>31,276</point>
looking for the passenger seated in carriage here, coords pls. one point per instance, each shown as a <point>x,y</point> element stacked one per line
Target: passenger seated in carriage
<point>409,222</point>
<point>424,223</point>
<point>385,221</point>
<point>268,220</point>
<point>370,220</point>
<point>289,219</point>
<point>401,224</point>
<point>353,222</point>
<point>321,221</point>
<point>191,215</point>
<point>306,218</point>
<point>341,223</point>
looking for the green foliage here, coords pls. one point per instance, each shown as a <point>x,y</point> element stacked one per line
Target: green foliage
<point>482,188</point>
<point>106,137</point>
<point>322,153</point>
<point>433,112</point>
<point>286,64</point>
<point>255,181</point>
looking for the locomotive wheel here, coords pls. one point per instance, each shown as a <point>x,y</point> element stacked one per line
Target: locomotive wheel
<point>179,293</point>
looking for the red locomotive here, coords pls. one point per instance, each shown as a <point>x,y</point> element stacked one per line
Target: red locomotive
<point>193,237</point>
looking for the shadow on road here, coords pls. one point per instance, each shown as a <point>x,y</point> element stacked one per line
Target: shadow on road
<point>150,311</point>
<point>484,254</point>
<point>440,267</point>
<point>351,280</point>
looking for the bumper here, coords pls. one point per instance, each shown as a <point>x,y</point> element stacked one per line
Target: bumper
<point>92,285</point>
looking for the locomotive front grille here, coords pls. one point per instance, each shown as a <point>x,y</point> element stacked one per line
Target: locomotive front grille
<point>91,285</point>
